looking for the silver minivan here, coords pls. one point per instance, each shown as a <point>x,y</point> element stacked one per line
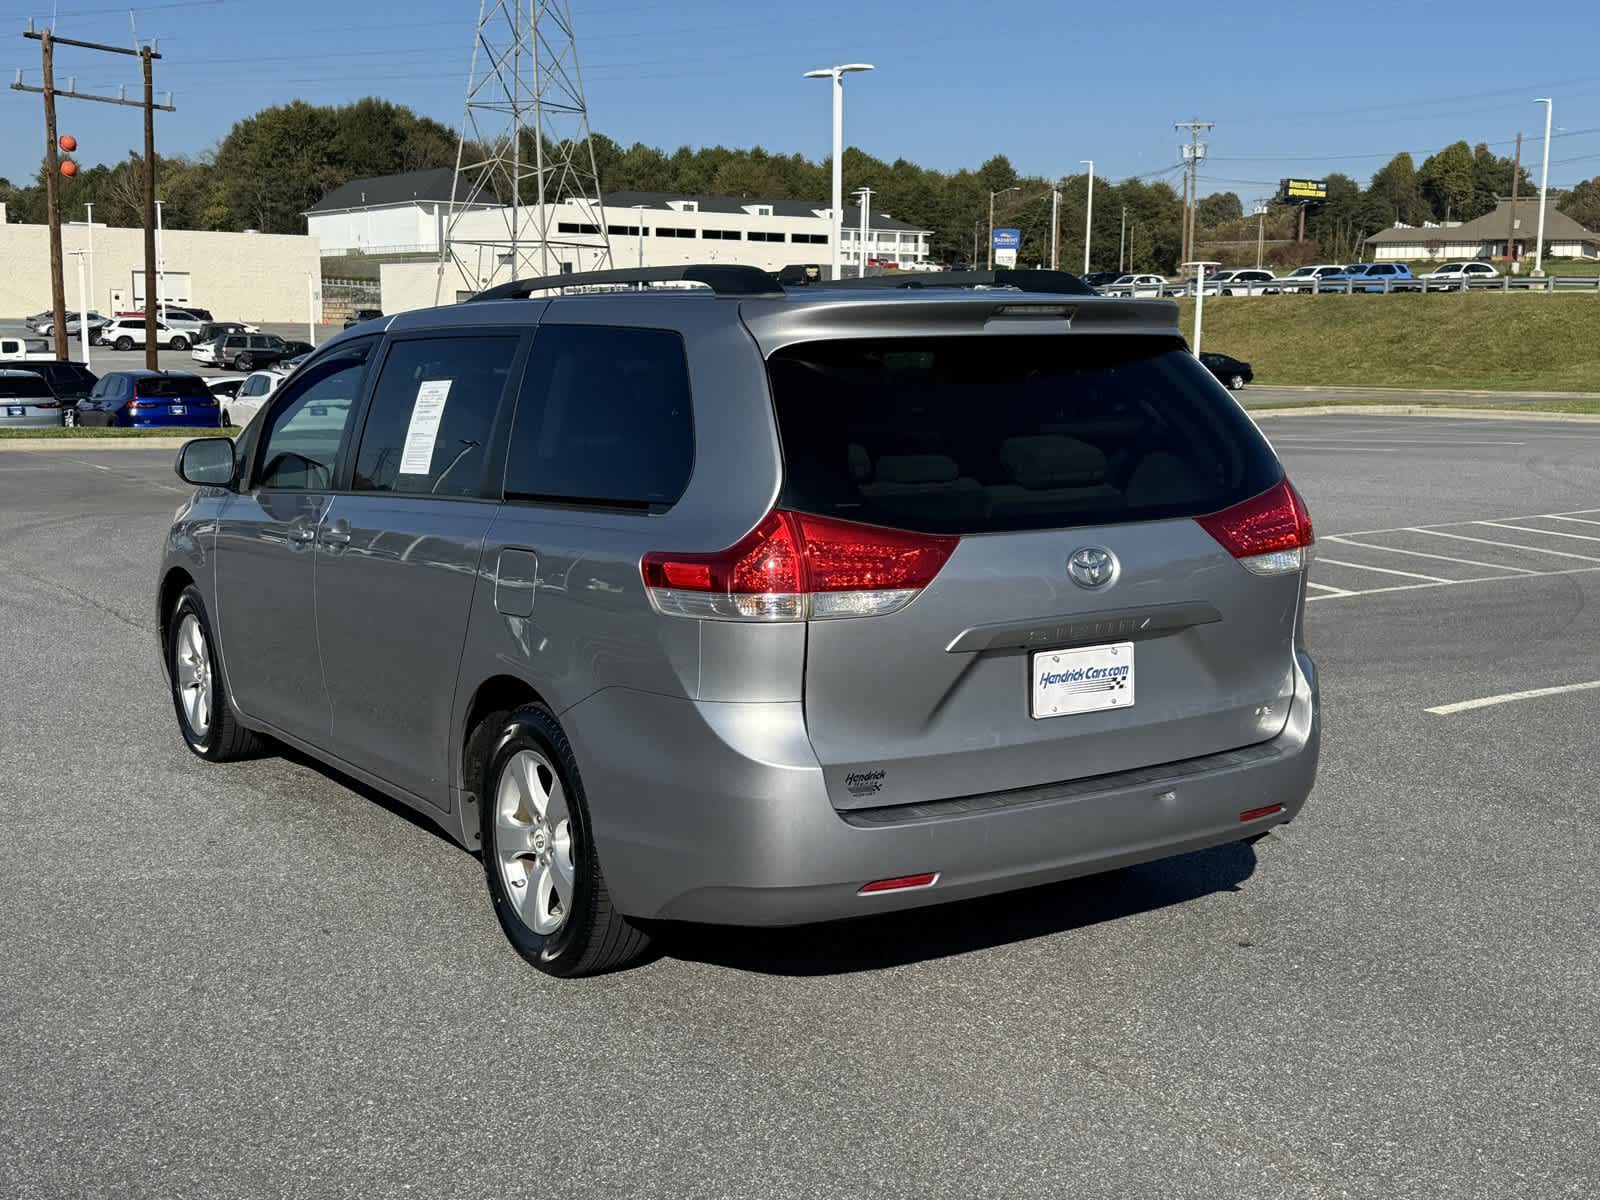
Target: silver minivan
<point>724,603</point>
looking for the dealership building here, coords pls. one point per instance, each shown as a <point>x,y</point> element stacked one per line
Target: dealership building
<point>1487,236</point>
<point>409,214</point>
<point>237,276</point>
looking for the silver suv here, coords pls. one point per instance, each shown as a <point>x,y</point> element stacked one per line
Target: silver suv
<point>730,604</point>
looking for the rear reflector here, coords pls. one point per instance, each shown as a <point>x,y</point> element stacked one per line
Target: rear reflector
<point>901,883</point>
<point>795,567</point>
<point>1255,814</point>
<point>1269,534</point>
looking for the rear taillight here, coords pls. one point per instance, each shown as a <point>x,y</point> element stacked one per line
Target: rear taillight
<point>45,403</point>
<point>795,567</point>
<point>1269,534</point>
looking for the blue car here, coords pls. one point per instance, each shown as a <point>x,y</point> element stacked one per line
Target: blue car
<point>151,400</point>
<point>1371,277</point>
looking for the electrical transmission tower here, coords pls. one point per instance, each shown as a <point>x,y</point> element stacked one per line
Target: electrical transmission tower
<point>524,150</point>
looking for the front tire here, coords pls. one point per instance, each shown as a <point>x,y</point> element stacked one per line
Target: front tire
<point>539,855</point>
<point>199,695</point>
<point>123,343</point>
<point>180,343</point>
<point>1236,383</point>
<point>244,363</point>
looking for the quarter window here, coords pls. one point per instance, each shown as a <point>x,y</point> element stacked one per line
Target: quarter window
<point>603,418</point>
<point>427,429</point>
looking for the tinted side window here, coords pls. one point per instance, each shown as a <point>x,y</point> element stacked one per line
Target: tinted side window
<point>603,418</point>
<point>302,434</point>
<point>428,425</point>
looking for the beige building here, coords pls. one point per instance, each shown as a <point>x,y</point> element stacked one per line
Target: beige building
<point>653,229</point>
<point>237,276</point>
<point>1486,236</point>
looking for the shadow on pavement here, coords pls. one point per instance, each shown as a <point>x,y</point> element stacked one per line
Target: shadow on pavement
<point>945,930</point>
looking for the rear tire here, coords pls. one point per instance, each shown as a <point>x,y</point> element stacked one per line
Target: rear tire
<point>199,694</point>
<point>124,344</point>
<point>539,857</point>
<point>180,343</point>
<point>1236,383</point>
<point>244,363</point>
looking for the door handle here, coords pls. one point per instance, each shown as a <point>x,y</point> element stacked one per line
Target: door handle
<point>302,533</point>
<point>337,534</point>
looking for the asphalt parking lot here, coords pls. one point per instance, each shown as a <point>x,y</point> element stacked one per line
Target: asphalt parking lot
<point>104,358</point>
<point>258,980</point>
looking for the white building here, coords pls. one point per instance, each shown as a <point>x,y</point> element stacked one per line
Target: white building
<point>653,229</point>
<point>237,276</point>
<point>391,214</point>
<point>1486,236</point>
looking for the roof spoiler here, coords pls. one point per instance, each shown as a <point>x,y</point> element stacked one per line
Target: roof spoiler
<point>1056,282</point>
<point>722,278</point>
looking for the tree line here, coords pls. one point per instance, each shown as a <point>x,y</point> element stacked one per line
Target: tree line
<point>274,165</point>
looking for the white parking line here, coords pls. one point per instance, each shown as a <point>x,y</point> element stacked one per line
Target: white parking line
<point>1582,537</point>
<point>1322,587</point>
<point>1571,512</point>
<point>1335,562</point>
<point>1418,587</point>
<point>1344,540</point>
<point>1444,710</point>
<point>1461,537</point>
<point>1554,517</point>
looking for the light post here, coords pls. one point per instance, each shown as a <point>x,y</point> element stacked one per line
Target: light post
<point>1122,238</point>
<point>837,74</point>
<point>992,195</point>
<point>639,214</point>
<point>1055,229</point>
<point>863,197</point>
<point>161,272</point>
<point>1199,297</point>
<point>1261,232</point>
<point>1088,216</point>
<point>1544,183</point>
<point>89,221</point>
<point>83,310</point>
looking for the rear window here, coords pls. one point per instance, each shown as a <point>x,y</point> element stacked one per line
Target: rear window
<point>20,385</point>
<point>989,434</point>
<point>160,386</point>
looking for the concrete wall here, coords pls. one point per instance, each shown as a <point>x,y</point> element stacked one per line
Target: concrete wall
<point>238,276</point>
<point>402,229</point>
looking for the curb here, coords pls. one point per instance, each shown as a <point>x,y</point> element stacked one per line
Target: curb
<point>1422,410</point>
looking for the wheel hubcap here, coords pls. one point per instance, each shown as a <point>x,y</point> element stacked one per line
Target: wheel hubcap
<point>192,676</point>
<point>533,842</point>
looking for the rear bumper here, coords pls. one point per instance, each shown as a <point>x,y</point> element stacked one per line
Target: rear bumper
<point>718,813</point>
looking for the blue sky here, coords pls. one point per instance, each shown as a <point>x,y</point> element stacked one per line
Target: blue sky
<point>1294,89</point>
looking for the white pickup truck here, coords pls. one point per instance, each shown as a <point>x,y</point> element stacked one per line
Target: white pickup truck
<point>18,349</point>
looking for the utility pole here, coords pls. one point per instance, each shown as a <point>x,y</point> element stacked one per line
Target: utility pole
<point>48,41</point>
<point>1511,221</point>
<point>1192,154</point>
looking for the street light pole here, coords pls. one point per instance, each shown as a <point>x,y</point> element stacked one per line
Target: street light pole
<point>864,199</point>
<point>1544,184</point>
<point>89,221</point>
<point>83,310</point>
<point>161,272</point>
<point>992,195</point>
<point>1199,298</point>
<point>1088,217</point>
<point>1122,238</point>
<point>639,209</point>
<point>1055,229</point>
<point>836,225</point>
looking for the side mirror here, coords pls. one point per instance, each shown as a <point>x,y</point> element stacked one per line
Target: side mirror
<point>206,462</point>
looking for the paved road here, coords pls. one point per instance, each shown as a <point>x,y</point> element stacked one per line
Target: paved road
<point>257,980</point>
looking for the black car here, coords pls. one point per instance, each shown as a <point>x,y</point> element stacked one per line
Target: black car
<point>1099,279</point>
<point>800,275</point>
<point>1235,373</point>
<point>212,330</point>
<point>296,350</point>
<point>363,314</point>
<point>69,382</point>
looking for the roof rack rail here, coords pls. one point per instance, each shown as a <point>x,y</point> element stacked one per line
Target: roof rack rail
<point>725,279</point>
<point>1057,282</point>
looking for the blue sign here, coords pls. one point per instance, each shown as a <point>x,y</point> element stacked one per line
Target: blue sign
<point>1008,239</point>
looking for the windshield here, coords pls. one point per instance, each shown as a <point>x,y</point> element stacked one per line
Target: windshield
<point>944,435</point>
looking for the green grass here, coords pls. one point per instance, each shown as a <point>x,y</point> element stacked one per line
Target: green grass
<point>1489,341</point>
<point>112,431</point>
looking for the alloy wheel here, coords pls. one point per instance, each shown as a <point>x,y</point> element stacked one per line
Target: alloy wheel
<point>533,842</point>
<point>192,675</point>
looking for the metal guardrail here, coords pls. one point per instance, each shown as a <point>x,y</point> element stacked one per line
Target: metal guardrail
<point>1345,287</point>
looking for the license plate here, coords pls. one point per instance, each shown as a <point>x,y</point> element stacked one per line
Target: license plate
<point>178,410</point>
<point>1089,679</point>
<point>16,412</point>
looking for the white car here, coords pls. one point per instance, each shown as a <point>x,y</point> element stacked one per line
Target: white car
<point>1304,279</point>
<point>1136,285</point>
<point>1238,281</point>
<point>252,395</point>
<point>1450,276</point>
<point>125,333</point>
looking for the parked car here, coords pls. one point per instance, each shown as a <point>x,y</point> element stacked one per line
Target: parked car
<point>126,333</point>
<point>1233,372</point>
<point>1237,281</point>
<point>794,275</point>
<point>884,655</point>
<point>223,387</point>
<point>212,330</point>
<point>69,382</point>
<point>26,349</point>
<point>1371,277</point>
<point>1136,285</point>
<point>26,401</point>
<point>361,315</point>
<point>1303,279</point>
<point>1099,279</point>
<point>297,349</point>
<point>46,326</point>
<point>151,400</point>
<point>1457,276</point>
<point>247,351</point>
<point>253,392</point>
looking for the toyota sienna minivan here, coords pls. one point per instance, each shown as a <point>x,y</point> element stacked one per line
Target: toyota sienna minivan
<point>724,603</point>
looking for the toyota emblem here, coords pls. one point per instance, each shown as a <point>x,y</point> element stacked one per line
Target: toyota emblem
<point>1093,567</point>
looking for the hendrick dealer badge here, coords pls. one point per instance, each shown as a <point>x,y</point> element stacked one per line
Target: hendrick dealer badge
<point>1090,679</point>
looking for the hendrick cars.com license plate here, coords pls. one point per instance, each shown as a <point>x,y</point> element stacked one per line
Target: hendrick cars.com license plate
<point>16,412</point>
<point>1089,679</point>
<point>178,410</point>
